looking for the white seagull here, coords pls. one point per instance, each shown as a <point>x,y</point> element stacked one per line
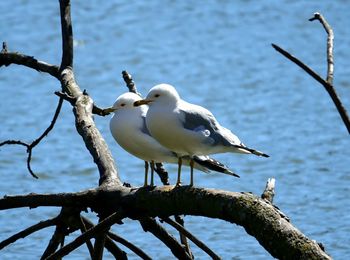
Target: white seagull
<point>128,127</point>
<point>187,129</point>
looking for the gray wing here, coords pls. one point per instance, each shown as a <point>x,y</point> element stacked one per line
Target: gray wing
<point>201,120</point>
<point>144,128</point>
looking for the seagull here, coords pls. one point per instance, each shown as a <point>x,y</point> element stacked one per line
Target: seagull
<point>187,129</point>
<point>128,127</point>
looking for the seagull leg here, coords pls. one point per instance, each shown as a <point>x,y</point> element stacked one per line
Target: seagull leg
<point>146,174</point>
<point>178,182</point>
<point>191,166</point>
<point>152,174</point>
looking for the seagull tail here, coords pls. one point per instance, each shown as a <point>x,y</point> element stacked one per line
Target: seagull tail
<point>213,165</point>
<point>245,149</point>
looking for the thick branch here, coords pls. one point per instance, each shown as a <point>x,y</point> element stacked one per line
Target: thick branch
<point>67,34</point>
<point>259,218</point>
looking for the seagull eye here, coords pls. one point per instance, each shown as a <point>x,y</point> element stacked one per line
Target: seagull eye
<point>122,105</point>
<point>156,95</point>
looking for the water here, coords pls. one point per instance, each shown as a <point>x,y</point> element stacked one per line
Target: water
<point>217,54</point>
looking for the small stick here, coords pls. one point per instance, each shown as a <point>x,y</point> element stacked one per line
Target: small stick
<point>269,191</point>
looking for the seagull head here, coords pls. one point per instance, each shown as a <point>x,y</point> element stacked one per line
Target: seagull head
<point>162,93</point>
<point>124,102</point>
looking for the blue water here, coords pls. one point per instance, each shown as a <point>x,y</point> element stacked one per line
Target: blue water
<point>217,54</point>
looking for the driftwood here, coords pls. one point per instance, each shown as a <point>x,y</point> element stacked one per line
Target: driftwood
<point>113,201</point>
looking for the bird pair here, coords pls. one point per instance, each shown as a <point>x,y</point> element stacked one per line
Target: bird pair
<point>165,128</point>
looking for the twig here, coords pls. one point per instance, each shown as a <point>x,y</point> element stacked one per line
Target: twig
<point>330,38</point>
<point>183,238</point>
<point>129,245</point>
<point>92,232</point>
<point>149,224</point>
<point>118,239</point>
<point>191,237</point>
<point>26,232</point>
<point>330,89</point>
<point>83,230</point>
<point>129,82</point>
<point>162,173</point>
<point>269,191</point>
<point>47,131</point>
<point>8,58</point>
<point>38,140</point>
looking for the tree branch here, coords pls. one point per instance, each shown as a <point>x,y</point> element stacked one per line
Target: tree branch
<point>100,227</point>
<point>269,191</point>
<point>129,82</point>
<point>329,88</point>
<point>67,35</point>
<point>28,231</point>
<point>149,224</point>
<point>191,237</point>
<point>259,218</point>
<point>330,38</point>
<point>109,243</point>
<point>8,58</point>
<point>38,140</point>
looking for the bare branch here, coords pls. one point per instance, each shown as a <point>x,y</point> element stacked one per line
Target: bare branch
<point>162,173</point>
<point>50,127</point>
<point>100,227</point>
<point>269,191</point>
<point>149,224</point>
<point>129,82</point>
<point>37,141</point>
<point>8,58</point>
<point>83,230</point>
<point>330,38</point>
<point>191,237</point>
<point>329,88</point>
<point>183,238</point>
<point>99,246</point>
<point>28,231</point>
<point>118,239</point>
<point>67,35</point>
<point>129,245</point>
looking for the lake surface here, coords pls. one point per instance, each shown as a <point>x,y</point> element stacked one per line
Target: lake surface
<point>217,54</point>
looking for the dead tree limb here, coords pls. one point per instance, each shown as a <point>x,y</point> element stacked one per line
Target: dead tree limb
<point>191,237</point>
<point>118,239</point>
<point>269,191</point>
<point>149,224</point>
<point>28,231</point>
<point>330,38</point>
<point>327,84</point>
<point>256,215</point>
<point>259,217</point>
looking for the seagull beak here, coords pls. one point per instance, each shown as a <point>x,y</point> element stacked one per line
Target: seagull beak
<point>110,110</point>
<point>142,102</point>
